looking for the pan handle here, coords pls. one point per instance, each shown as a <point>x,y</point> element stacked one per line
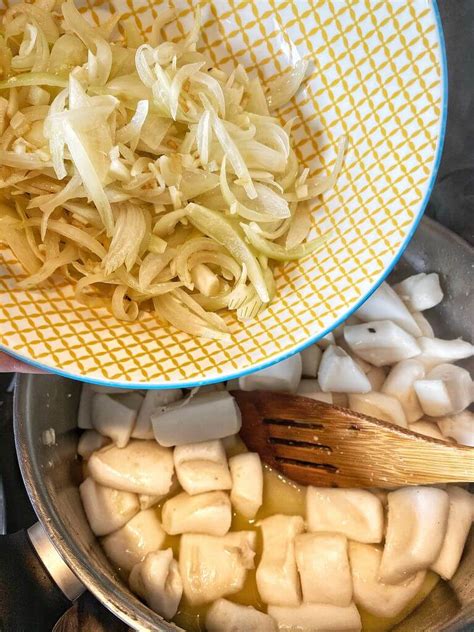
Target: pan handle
<point>36,586</point>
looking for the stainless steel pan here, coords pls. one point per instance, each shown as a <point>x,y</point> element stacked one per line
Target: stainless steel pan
<point>52,475</point>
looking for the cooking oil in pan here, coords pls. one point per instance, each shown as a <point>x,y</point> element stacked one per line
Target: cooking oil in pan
<point>281,496</point>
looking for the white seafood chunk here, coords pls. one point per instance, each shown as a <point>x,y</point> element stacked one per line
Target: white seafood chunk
<point>209,513</point>
<point>311,389</point>
<point>445,390</point>
<point>212,567</point>
<point>424,325</point>
<point>310,359</point>
<point>140,536</point>
<point>247,483</point>
<point>338,332</point>
<point>112,418</point>
<point>277,575</point>
<point>106,509</point>
<point>380,406</point>
<point>381,600</point>
<point>326,340</point>
<point>376,376</point>
<point>436,351</point>
<point>417,522</point>
<point>461,515</point>
<point>324,568</point>
<point>400,384</point>
<point>224,616</point>
<point>311,617</point>
<point>283,376</point>
<point>158,582</point>
<point>427,428</point>
<point>131,399</point>
<point>385,304</point>
<point>89,442</point>
<point>202,467</point>
<point>210,416</point>
<point>84,413</point>
<point>459,427</point>
<point>339,373</point>
<point>381,342</point>
<point>355,513</point>
<point>146,501</point>
<point>143,467</point>
<point>362,364</point>
<point>154,399</point>
<point>420,291</point>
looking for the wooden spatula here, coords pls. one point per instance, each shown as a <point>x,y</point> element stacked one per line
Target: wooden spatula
<point>314,443</point>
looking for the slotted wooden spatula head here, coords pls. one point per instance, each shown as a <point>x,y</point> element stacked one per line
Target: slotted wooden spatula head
<point>314,443</point>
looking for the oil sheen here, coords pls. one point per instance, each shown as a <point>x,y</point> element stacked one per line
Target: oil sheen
<point>282,496</point>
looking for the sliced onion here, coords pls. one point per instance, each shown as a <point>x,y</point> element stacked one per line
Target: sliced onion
<point>212,223</point>
<point>213,88</point>
<point>183,319</point>
<point>282,89</point>
<point>67,53</point>
<point>161,89</point>
<point>218,259</point>
<point>22,161</point>
<point>130,133</point>
<point>152,265</point>
<point>203,136</point>
<point>230,150</point>
<point>320,185</point>
<point>121,308</point>
<point>279,253</point>
<point>166,224</point>
<point>166,177</point>
<point>133,37</point>
<point>80,237</point>
<point>258,156</point>
<point>189,248</point>
<point>164,17</point>
<point>89,176</point>
<point>33,79</point>
<point>268,130</point>
<point>143,58</point>
<point>299,228</point>
<point>236,206</point>
<point>55,133</point>
<point>11,233</point>
<point>68,255</point>
<point>213,319</point>
<point>129,231</point>
<point>182,75</point>
<point>43,19</point>
<point>70,191</point>
<point>257,101</point>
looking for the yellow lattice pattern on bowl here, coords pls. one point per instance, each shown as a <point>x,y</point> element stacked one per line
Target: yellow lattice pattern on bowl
<point>377,78</point>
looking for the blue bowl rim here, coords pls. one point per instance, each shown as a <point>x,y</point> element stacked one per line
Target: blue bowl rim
<point>340,320</point>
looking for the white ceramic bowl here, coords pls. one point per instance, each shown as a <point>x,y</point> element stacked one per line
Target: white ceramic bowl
<point>379,77</point>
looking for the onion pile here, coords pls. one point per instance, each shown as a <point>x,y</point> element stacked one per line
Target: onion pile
<point>148,178</point>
